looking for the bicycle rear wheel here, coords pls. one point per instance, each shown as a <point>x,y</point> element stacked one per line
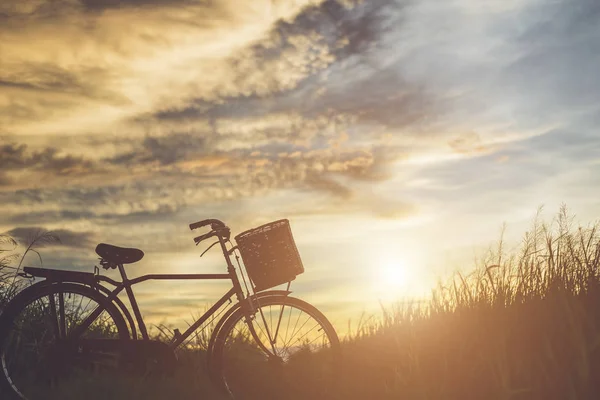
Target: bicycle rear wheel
<point>292,353</point>
<point>38,359</point>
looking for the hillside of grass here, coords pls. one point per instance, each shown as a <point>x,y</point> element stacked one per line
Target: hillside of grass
<point>523,325</point>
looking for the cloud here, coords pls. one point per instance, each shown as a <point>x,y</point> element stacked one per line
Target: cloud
<point>332,66</point>
<point>66,238</point>
<point>165,150</point>
<point>101,5</point>
<point>468,143</point>
<point>16,157</point>
<point>113,69</point>
<point>178,187</point>
<point>325,183</point>
<point>328,83</point>
<point>5,180</point>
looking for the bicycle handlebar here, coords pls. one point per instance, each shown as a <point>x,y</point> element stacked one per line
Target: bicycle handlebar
<point>214,223</point>
<point>218,229</point>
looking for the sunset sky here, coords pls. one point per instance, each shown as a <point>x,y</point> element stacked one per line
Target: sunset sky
<point>397,136</point>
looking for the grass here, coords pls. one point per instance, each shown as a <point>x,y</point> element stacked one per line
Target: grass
<point>188,382</point>
<point>523,325</point>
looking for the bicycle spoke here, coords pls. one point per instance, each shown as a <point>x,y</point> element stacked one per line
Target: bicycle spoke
<point>78,331</point>
<point>61,310</point>
<point>297,340</point>
<point>79,306</point>
<point>278,323</point>
<point>296,324</point>
<point>271,322</point>
<point>54,319</point>
<point>288,324</point>
<point>261,329</point>
<point>304,323</point>
<point>318,337</point>
<point>268,333</point>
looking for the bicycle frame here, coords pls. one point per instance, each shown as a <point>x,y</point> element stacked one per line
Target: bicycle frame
<point>127,284</point>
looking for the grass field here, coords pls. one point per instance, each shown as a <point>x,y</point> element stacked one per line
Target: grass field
<point>524,325</point>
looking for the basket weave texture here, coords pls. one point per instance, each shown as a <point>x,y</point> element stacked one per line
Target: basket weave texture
<point>270,254</point>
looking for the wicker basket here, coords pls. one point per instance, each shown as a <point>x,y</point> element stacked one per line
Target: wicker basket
<point>270,254</point>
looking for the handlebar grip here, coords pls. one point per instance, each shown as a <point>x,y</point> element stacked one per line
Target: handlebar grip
<point>213,222</point>
<point>200,238</point>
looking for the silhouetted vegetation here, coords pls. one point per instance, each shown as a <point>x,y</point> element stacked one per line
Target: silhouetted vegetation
<point>523,325</point>
<point>11,260</point>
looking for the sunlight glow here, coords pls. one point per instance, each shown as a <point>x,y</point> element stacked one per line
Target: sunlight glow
<point>394,276</point>
<point>393,279</point>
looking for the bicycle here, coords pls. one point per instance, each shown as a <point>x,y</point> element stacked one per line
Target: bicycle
<point>72,324</point>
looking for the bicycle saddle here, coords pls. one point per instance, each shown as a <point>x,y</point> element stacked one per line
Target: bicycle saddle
<point>119,255</point>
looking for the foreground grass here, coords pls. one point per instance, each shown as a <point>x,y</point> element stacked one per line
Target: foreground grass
<point>189,381</point>
<point>521,326</point>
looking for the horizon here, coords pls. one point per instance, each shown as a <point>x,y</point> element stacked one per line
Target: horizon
<point>397,137</point>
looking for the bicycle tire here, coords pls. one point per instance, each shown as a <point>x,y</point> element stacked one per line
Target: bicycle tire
<point>27,314</point>
<point>245,371</point>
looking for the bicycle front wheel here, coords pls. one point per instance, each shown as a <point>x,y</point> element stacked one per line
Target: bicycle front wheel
<point>288,349</point>
<point>38,359</point>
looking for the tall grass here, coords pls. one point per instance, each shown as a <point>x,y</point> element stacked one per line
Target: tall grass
<point>7,272</point>
<point>11,260</point>
<point>524,325</point>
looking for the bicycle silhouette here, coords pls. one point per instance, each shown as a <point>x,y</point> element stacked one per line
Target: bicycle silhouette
<point>71,323</point>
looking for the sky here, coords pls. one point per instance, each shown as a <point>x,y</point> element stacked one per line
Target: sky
<point>396,136</point>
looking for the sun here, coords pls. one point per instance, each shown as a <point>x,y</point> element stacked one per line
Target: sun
<point>394,275</point>
<point>396,272</point>
<point>392,279</point>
